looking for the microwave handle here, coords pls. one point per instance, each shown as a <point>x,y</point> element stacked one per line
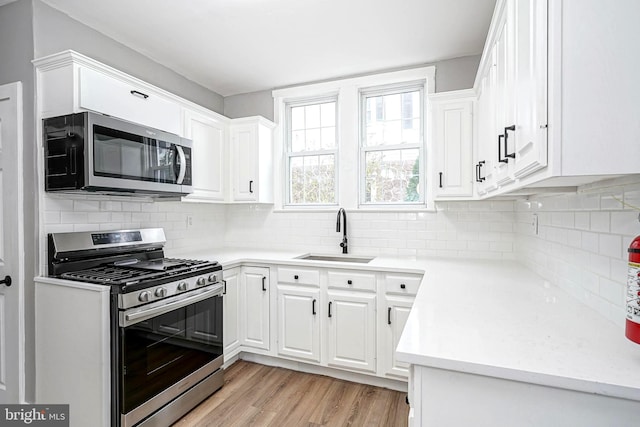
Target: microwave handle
<point>183,164</point>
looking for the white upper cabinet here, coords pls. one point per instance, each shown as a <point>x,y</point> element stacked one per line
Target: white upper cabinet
<point>209,136</point>
<point>68,82</point>
<point>252,160</point>
<point>453,142</point>
<point>557,95</point>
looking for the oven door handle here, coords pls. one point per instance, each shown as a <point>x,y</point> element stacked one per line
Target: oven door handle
<point>131,317</point>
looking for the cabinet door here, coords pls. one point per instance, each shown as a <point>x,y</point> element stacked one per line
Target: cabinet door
<point>298,322</point>
<point>351,336</point>
<point>109,95</point>
<point>486,137</point>
<point>395,317</point>
<point>531,86</point>
<point>254,298</point>
<point>231,307</point>
<point>208,135</point>
<point>453,144</point>
<point>504,96</point>
<point>244,140</point>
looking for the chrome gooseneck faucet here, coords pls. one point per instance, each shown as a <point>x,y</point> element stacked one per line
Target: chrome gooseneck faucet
<point>343,245</point>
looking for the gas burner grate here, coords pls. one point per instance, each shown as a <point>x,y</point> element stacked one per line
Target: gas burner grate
<point>104,274</point>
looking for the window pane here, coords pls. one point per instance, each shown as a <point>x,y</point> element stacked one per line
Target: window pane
<point>312,179</point>
<point>392,119</point>
<point>328,114</point>
<point>312,116</point>
<point>392,176</point>
<point>297,118</point>
<point>328,138</point>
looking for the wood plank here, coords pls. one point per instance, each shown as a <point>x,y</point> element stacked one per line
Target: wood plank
<point>257,395</point>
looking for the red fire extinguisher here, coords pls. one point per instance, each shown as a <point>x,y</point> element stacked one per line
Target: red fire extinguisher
<point>633,292</point>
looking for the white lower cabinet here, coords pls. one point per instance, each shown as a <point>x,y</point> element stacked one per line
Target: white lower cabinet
<point>351,332</point>
<point>254,307</point>
<point>231,310</point>
<point>298,322</point>
<point>397,311</point>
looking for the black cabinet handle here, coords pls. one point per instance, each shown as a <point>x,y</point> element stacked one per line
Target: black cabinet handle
<point>224,290</point>
<point>389,315</point>
<point>329,308</point>
<point>440,173</point>
<point>508,155</point>
<point>250,186</point>
<point>480,164</point>
<point>263,283</point>
<point>402,286</point>
<point>313,307</point>
<point>6,281</point>
<point>500,159</point>
<point>349,282</point>
<point>477,172</point>
<point>295,277</point>
<point>139,94</point>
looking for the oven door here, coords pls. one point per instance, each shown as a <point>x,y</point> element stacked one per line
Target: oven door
<point>127,156</point>
<point>165,350</point>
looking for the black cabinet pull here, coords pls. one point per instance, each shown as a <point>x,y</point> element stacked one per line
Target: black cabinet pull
<point>389,315</point>
<point>264,288</point>
<point>295,277</point>
<point>480,164</point>
<point>440,173</point>
<point>508,155</point>
<point>477,172</point>
<point>6,281</point>
<point>313,307</point>
<point>329,308</point>
<point>139,94</point>
<point>250,186</point>
<point>224,290</point>
<point>402,286</point>
<point>500,159</point>
<point>349,282</point>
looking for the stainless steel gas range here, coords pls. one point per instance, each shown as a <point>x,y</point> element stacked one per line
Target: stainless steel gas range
<point>166,320</point>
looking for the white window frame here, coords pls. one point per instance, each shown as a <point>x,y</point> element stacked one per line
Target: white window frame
<point>288,154</point>
<point>421,146</point>
<point>348,173</point>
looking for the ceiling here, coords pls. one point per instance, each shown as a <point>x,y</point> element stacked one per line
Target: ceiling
<point>241,46</point>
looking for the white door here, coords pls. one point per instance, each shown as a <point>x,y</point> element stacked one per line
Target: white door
<point>352,330</point>
<point>230,334</point>
<point>398,309</point>
<point>254,297</point>
<point>11,246</point>
<point>298,322</point>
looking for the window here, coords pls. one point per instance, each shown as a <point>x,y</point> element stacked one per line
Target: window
<point>311,152</point>
<point>391,145</point>
<point>357,142</point>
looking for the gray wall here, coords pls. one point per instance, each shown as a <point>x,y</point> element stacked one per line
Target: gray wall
<point>55,31</point>
<point>452,74</point>
<point>16,53</point>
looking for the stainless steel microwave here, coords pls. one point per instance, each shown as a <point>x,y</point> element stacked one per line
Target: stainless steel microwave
<point>96,153</point>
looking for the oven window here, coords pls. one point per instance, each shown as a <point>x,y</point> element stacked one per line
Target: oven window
<point>159,352</point>
<point>119,154</point>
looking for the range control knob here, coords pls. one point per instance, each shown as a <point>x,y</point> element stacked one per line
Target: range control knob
<point>201,281</point>
<point>213,278</point>
<point>160,292</point>
<point>182,286</point>
<point>144,296</point>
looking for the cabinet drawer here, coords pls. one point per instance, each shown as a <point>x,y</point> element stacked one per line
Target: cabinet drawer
<point>298,276</point>
<point>402,284</point>
<point>352,280</point>
<point>108,95</point>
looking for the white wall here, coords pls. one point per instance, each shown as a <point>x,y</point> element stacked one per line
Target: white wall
<point>465,229</point>
<point>582,242</point>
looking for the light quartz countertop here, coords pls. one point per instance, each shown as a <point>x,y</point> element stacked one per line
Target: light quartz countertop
<point>492,318</point>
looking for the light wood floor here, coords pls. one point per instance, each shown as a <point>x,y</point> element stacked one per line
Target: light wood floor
<point>261,395</point>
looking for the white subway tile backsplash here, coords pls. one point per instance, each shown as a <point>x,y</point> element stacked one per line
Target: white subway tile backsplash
<point>600,221</point>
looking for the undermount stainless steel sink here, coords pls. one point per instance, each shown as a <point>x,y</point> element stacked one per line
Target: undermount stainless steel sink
<point>335,258</point>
